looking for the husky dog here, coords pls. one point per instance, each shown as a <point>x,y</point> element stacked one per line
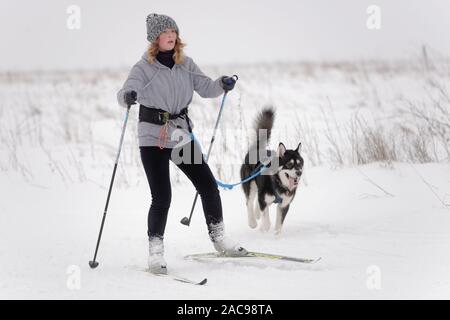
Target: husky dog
<point>279,179</point>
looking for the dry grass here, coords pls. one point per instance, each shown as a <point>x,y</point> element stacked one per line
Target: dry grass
<point>73,121</point>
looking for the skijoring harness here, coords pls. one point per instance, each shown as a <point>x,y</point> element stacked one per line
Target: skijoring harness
<point>162,117</point>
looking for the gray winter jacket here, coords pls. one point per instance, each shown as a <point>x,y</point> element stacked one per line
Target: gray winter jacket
<point>168,89</point>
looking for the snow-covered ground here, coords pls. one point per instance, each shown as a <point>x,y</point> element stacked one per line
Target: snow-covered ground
<point>382,229</point>
<point>361,233</point>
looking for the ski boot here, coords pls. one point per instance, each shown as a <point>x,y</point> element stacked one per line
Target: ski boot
<point>222,243</point>
<point>156,262</point>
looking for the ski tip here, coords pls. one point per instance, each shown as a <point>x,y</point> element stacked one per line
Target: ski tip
<point>204,281</point>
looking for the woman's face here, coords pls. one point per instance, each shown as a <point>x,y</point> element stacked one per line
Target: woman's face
<point>167,39</point>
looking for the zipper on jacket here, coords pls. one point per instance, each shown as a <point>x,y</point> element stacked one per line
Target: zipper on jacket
<point>172,87</point>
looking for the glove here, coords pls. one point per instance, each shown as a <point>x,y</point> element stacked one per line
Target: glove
<point>130,97</point>
<point>228,82</point>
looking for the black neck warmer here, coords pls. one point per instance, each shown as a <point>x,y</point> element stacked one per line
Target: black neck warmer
<point>166,58</point>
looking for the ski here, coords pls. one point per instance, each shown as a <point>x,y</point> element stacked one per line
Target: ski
<point>250,254</point>
<point>182,279</point>
<point>172,276</point>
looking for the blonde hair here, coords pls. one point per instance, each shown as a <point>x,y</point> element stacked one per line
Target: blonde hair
<point>178,56</point>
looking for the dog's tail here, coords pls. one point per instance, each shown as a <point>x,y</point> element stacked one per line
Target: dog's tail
<point>262,129</point>
<point>264,121</point>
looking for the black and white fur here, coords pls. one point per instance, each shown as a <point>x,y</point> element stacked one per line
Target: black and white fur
<point>282,179</point>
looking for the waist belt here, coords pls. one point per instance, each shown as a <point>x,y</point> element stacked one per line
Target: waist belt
<point>160,116</point>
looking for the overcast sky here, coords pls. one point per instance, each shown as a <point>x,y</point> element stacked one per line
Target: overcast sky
<point>34,34</point>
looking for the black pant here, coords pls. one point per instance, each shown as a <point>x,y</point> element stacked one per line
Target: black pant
<point>156,165</point>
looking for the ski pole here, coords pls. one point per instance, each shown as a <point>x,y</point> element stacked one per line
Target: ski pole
<point>94,264</point>
<point>187,221</point>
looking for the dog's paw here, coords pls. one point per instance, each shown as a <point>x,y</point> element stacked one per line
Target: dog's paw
<point>252,223</point>
<point>277,232</point>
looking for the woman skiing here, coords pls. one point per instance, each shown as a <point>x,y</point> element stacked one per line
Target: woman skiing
<point>163,82</point>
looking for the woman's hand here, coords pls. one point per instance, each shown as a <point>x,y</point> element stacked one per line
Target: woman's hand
<point>228,82</point>
<point>129,98</point>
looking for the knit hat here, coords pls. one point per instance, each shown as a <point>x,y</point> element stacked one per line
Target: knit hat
<point>157,23</point>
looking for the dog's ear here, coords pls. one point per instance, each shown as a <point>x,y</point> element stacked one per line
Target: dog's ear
<point>299,147</point>
<point>281,149</point>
